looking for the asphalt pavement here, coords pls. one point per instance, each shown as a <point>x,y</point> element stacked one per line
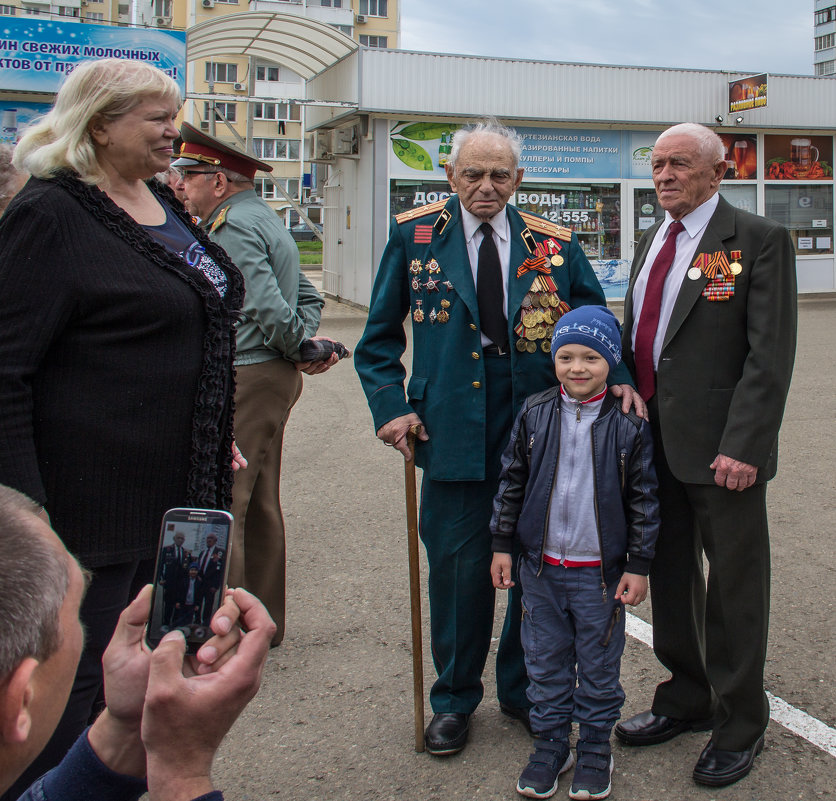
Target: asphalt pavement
<point>334,717</point>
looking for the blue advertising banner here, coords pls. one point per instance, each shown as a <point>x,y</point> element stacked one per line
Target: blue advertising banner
<point>421,148</point>
<point>36,54</point>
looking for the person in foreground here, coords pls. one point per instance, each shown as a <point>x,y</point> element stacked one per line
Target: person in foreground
<point>117,337</point>
<point>165,716</point>
<point>710,328</point>
<point>483,284</point>
<point>577,500</point>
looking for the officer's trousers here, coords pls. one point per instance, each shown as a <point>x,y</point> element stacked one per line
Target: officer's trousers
<point>454,527</point>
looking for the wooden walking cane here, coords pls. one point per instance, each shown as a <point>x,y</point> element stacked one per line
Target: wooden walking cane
<point>414,589</point>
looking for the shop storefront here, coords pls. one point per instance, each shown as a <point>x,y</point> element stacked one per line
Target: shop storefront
<point>598,183</point>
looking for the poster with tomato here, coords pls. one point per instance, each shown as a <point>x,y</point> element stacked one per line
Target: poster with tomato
<point>741,156</point>
<point>800,157</point>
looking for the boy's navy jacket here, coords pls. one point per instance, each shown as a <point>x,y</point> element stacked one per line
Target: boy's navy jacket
<point>626,504</point>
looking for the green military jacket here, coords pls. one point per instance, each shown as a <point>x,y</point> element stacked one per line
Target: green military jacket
<point>425,273</point>
<point>281,306</point>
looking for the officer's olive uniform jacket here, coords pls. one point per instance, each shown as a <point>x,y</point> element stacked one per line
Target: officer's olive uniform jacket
<point>447,386</point>
<point>725,366</point>
<point>281,306</point>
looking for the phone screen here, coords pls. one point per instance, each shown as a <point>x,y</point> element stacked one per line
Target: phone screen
<point>190,576</point>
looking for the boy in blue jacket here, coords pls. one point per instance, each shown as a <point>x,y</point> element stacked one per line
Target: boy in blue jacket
<point>577,500</point>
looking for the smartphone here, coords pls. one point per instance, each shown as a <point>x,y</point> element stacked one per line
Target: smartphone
<point>190,576</point>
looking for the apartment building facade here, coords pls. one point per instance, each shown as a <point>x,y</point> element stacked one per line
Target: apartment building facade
<point>264,103</point>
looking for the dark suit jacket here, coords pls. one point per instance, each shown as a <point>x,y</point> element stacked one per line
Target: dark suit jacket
<point>446,388</point>
<point>171,569</point>
<point>725,366</point>
<point>214,570</point>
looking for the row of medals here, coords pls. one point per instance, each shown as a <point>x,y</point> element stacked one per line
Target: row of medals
<point>538,323</point>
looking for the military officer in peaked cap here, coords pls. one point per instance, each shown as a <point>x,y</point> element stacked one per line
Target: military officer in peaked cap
<point>484,285</point>
<point>282,308</point>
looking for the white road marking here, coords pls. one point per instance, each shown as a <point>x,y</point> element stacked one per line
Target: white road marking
<point>795,720</point>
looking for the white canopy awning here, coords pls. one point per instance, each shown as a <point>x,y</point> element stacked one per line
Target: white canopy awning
<point>303,45</point>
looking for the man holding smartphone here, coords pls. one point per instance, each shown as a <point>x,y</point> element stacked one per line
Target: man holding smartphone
<point>144,739</point>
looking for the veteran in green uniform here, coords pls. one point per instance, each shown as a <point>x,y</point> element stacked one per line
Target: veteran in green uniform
<point>281,309</point>
<point>478,351</point>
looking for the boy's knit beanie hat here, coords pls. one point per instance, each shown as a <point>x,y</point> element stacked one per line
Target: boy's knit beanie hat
<point>593,327</point>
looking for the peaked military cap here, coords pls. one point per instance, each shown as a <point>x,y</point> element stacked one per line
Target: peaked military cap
<point>200,148</point>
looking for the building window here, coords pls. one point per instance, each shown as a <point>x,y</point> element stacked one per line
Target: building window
<point>68,11</point>
<point>162,8</point>
<point>373,41</point>
<point>276,111</point>
<point>346,29</point>
<point>267,190</point>
<point>373,8</point>
<point>231,2</point>
<point>221,73</point>
<point>94,16</point>
<point>826,41</point>
<point>264,73</point>
<point>826,68</point>
<point>276,149</point>
<point>826,15</point>
<point>227,109</point>
<point>7,11</point>
<point>327,3</point>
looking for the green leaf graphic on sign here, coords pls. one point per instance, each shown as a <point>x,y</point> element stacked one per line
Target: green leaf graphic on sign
<point>412,155</point>
<point>425,130</point>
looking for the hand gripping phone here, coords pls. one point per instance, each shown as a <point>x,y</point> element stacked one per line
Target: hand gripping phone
<point>190,575</point>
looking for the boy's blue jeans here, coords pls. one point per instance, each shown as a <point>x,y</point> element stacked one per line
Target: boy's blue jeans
<point>571,636</point>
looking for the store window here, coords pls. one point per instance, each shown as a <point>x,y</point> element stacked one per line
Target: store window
<point>408,195</point>
<point>806,210</point>
<point>741,196</point>
<point>593,212</point>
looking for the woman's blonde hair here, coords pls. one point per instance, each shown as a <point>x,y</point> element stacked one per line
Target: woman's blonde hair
<point>108,88</point>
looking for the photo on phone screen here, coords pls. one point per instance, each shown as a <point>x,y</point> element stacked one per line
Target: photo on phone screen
<point>190,576</point>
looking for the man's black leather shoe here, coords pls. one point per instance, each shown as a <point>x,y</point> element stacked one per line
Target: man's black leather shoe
<point>649,729</point>
<point>447,733</point>
<point>717,767</point>
<point>518,714</point>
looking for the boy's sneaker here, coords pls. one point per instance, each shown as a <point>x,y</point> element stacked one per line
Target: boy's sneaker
<point>592,777</point>
<point>549,760</point>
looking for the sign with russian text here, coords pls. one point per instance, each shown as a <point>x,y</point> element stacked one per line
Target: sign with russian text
<point>747,93</point>
<point>422,148</point>
<point>36,54</point>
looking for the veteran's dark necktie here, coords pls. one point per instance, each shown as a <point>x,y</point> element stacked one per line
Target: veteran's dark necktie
<point>650,313</point>
<point>489,290</point>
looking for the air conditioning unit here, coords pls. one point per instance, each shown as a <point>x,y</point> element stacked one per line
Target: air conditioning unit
<point>322,147</point>
<point>204,125</point>
<point>346,141</point>
<point>208,3</point>
<point>162,21</point>
<point>238,87</point>
<point>360,19</point>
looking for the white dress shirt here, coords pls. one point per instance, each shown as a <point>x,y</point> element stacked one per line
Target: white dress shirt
<point>502,239</point>
<point>686,246</point>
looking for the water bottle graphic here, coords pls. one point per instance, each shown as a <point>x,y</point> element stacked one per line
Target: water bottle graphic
<point>9,126</point>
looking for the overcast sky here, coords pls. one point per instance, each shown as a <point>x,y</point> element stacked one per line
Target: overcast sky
<point>750,36</point>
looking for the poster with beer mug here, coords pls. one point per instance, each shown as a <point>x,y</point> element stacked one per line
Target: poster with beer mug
<point>741,156</point>
<point>798,157</point>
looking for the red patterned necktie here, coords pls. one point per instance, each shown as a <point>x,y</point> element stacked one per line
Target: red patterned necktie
<point>651,309</point>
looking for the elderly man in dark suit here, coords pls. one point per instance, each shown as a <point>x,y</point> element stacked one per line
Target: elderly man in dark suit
<point>484,285</point>
<point>710,329</point>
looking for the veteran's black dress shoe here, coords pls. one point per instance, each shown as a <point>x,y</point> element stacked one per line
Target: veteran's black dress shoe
<point>717,767</point>
<point>518,713</point>
<point>649,729</point>
<point>447,733</point>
